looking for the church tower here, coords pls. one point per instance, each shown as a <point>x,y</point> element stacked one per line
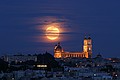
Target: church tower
<point>58,51</point>
<point>87,47</point>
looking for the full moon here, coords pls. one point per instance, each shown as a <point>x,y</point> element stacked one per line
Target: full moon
<point>52,33</point>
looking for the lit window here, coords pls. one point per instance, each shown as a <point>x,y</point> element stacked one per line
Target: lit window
<point>42,66</point>
<point>89,48</point>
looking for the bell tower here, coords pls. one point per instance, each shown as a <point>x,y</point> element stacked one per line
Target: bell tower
<point>87,47</point>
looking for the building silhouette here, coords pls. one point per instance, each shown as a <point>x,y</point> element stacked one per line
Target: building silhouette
<point>86,53</point>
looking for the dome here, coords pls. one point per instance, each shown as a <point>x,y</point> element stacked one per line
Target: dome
<point>99,55</point>
<point>89,37</point>
<point>58,47</point>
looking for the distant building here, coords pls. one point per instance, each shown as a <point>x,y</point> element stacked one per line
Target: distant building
<point>19,58</point>
<point>87,50</point>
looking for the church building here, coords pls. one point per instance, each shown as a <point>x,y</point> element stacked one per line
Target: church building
<point>86,53</point>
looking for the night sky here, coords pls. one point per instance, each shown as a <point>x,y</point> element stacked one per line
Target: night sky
<point>23,23</point>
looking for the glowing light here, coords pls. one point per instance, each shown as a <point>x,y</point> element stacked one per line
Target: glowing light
<point>43,66</point>
<point>47,34</point>
<point>52,33</point>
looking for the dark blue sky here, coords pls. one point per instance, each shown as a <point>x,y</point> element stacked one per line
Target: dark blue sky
<point>22,22</point>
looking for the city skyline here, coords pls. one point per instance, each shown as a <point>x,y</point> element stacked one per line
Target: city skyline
<point>23,25</point>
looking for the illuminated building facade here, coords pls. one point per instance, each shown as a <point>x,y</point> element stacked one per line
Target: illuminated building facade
<point>86,53</point>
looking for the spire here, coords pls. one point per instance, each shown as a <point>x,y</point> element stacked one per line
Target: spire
<point>85,37</point>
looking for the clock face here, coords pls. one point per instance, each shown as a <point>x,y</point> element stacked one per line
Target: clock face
<point>89,48</point>
<point>89,42</point>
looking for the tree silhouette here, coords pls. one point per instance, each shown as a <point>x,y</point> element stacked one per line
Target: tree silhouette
<point>3,65</point>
